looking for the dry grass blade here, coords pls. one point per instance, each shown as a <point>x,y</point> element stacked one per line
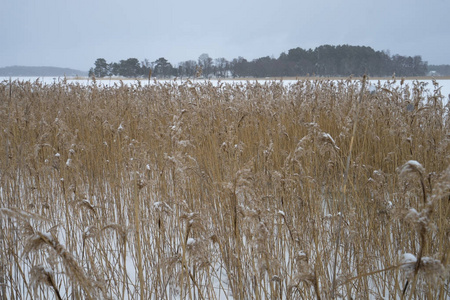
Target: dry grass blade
<point>73,269</point>
<point>41,275</point>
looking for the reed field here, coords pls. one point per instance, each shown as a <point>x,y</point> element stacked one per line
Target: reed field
<point>320,189</point>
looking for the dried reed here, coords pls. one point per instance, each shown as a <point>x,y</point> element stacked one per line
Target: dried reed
<point>195,190</point>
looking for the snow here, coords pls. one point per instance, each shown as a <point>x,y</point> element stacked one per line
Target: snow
<point>414,163</point>
<point>48,236</point>
<point>302,254</point>
<point>328,136</point>
<point>429,260</point>
<point>408,258</point>
<point>87,203</point>
<point>372,89</point>
<point>412,212</point>
<point>190,241</point>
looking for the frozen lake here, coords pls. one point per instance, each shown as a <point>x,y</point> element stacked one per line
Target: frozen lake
<point>443,83</point>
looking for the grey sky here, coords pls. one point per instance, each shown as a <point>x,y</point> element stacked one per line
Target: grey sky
<point>73,34</point>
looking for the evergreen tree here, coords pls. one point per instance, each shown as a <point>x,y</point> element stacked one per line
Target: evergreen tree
<point>162,67</point>
<point>129,68</point>
<point>101,68</point>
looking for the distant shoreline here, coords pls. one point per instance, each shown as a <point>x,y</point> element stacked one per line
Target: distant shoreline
<point>47,71</point>
<point>234,79</point>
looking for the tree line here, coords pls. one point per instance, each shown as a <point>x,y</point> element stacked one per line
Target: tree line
<point>326,60</point>
<point>439,70</point>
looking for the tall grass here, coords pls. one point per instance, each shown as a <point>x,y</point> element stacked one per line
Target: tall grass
<point>229,191</point>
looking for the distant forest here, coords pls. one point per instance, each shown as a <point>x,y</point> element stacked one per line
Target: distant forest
<point>439,70</point>
<point>326,60</point>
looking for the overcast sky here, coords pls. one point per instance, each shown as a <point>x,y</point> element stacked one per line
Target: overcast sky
<point>74,34</point>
